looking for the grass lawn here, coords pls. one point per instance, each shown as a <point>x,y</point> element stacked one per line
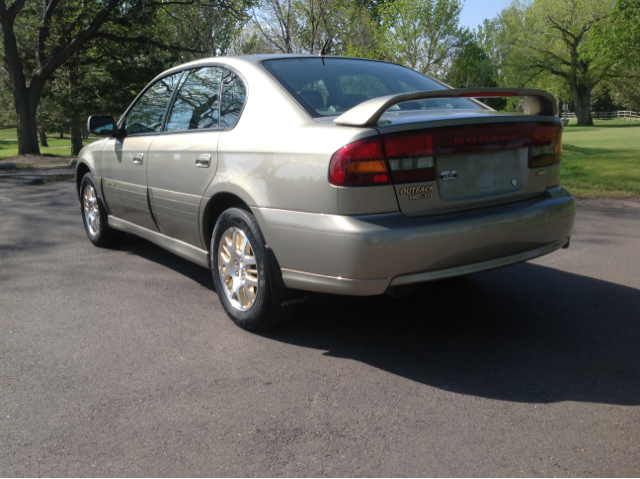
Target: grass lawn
<point>602,160</point>
<point>57,146</point>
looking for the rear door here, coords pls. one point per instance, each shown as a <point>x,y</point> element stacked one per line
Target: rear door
<point>124,159</point>
<point>183,160</point>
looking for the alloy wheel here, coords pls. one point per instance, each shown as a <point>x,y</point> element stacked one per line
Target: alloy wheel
<point>238,269</point>
<point>91,210</point>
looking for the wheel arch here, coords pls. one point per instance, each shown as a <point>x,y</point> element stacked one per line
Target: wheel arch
<point>214,207</point>
<point>81,170</point>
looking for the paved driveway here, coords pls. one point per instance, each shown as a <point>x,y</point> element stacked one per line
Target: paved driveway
<point>121,362</point>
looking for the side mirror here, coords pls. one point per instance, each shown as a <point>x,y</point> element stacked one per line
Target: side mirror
<point>101,125</point>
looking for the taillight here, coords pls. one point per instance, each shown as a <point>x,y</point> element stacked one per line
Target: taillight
<point>361,163</point>
<point>410,157</point>
<point>546,147</point>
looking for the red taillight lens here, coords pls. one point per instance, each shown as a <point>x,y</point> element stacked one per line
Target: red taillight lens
<point>546,148</point>
<point>361,163</point>
<point>410,157</point>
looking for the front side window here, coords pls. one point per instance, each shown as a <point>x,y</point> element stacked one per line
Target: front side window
<point>331,86</point>
<point>147,114</point>
<point>196,106</point>
<point>233,97</point>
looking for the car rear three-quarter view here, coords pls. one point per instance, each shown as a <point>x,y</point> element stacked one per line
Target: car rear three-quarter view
<point>292,174</point>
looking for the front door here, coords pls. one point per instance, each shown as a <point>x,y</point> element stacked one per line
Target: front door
<point>124,159</point>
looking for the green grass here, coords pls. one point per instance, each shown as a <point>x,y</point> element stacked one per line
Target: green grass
<point>602,160</point>
<point>57,146</point>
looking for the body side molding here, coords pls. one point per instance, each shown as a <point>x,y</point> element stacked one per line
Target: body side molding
<point>182,249</point>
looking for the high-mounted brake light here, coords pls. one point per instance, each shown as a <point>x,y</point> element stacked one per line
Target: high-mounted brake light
<point>361,163</point>
<point>487,95</point>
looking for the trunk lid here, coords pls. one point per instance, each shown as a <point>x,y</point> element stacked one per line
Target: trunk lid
<point>442,163</point>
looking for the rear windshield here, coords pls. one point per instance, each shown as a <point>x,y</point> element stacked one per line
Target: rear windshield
<point>333,86</point>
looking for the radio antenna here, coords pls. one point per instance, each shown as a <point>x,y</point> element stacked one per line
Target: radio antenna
<point>323,52</point>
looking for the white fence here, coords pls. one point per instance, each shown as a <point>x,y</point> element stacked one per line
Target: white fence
<point>607,115</point>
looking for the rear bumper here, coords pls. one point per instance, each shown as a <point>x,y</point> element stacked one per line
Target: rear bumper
<point>365,255</point>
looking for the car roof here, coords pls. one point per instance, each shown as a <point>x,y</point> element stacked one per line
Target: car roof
<point>254,60</point>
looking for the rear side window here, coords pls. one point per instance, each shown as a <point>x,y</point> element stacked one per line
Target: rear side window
<point>196,106</point>
<point>331,86</point>
<point>233,97</point>
<point>147,114</point>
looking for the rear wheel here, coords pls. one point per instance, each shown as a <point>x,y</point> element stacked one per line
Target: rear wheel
<point>94,215</point>
<point>246,276</point>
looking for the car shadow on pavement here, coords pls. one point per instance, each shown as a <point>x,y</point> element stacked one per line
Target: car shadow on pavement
<point>149,251</point>
<point>526,333</point>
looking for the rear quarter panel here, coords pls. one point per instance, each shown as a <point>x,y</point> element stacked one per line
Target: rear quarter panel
<point>277,156</point>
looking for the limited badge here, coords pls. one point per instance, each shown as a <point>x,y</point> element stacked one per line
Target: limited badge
<point>448,175</point>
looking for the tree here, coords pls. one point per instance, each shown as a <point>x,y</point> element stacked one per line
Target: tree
<point>39,38</point>
<point>621,36</point>
<point>548,39</point>
<point>55,43</point>
<point>421,34</point>
<point>471,67</point>
<point>307,26</point>
<point>275,19</point>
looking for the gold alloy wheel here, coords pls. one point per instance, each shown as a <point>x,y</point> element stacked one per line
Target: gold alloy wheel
<point>238,269</point>
<point>91,210</point>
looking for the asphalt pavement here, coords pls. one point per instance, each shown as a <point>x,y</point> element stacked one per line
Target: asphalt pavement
<point>121,362</point>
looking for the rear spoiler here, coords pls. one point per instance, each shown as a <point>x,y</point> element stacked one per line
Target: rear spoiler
<point>536,102</point>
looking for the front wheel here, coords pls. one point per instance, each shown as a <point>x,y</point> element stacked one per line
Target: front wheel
<point>245,277</point>
<point>94,215</point>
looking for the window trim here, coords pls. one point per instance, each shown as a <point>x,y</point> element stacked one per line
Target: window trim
<point>185,75</point>
<point>182,70</point>
<point>123,118</point>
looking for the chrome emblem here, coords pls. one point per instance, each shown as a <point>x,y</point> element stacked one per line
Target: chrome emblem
<point>418,192</point>
<point>110,183</point>
<point>448,175</point>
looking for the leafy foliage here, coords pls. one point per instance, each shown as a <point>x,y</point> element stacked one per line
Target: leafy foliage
<point>421,34</point>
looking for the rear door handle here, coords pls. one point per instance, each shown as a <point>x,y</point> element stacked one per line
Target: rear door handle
<point>203,161</point>
<point>137,158</point>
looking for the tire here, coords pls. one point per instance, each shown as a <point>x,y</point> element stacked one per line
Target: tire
<point>246,274</point>
<point>94,215</point>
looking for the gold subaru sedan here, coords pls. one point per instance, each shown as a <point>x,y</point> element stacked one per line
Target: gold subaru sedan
<point>291,174</point>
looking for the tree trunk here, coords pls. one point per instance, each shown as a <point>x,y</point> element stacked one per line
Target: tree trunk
<point>43,138</point>
<point>76,137</point>
<point>27,129</point>
<point>61,135</point>
<point>25,99</point>
<point>582,102</point>
<point>76,123</point>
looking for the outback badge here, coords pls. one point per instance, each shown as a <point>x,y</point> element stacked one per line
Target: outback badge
<point>418,192</point>
<point>448,175</point>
